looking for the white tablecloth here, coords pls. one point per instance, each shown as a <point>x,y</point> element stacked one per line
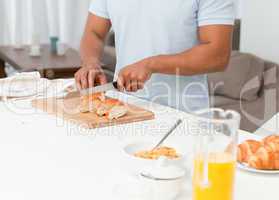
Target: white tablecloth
<point>43,157</point>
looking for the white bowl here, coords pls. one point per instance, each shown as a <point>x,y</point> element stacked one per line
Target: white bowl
<point>136,165</point>
<point>164,189</point>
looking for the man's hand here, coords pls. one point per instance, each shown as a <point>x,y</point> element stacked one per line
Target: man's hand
<point>133,77</point>
<point>90,76</point>
<point>91,49</point>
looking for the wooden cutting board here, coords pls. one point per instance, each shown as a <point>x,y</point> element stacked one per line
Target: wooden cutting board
<point>68,109</point>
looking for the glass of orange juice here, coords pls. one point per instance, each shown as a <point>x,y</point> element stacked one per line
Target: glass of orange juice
<point>215,154</point>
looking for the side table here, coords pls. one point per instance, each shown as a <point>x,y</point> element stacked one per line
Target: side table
<point>49,65</point>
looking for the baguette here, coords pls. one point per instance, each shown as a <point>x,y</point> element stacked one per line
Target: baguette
<point>90,103</point>
<point>116,112</point>
<point>106,106</point>
<point>97,103</point>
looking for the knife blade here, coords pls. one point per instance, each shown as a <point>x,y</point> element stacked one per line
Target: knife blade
<point>100,88</point>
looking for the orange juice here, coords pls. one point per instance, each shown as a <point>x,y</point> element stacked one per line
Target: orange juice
<point>221,173</point>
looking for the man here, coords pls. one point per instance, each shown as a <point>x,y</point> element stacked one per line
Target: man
<point>164,46</point>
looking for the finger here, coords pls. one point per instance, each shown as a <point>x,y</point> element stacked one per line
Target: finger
<point>140,85</point>
<point>84,80</point>
<point>91,78</point>
<point>78,83</point>
<point>134,86</point>
<point>120,84</point>
<point>77,80</point>
<point>128,85</point>
<point>102,79</point>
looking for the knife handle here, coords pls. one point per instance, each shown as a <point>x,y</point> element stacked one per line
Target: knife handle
<point>115,85</point>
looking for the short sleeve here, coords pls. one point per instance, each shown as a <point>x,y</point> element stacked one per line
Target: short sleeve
<point>212,12</point>
<point>99,8</point>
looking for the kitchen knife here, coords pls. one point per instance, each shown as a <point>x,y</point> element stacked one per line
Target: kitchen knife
<point>100,88</point>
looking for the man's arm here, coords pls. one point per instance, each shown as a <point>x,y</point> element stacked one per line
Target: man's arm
<point>91,50</point>
<point>211,55</point>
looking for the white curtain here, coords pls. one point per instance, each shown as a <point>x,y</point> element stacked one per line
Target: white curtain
<point>20,20</point>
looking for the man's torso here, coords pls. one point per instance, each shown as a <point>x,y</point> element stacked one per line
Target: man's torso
<point>145,28</point>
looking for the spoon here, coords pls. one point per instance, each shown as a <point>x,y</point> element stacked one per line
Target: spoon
<point>177,123</point>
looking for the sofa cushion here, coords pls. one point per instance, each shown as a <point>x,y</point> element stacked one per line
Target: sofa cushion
<point>271,75</point>
<point>255,113</point>
<point>218,101</point>
<point>242,79</point>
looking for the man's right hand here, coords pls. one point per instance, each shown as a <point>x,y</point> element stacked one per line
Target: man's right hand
<point>90,75</point>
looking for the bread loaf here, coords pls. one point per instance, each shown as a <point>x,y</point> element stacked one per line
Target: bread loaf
<point>98,104</point>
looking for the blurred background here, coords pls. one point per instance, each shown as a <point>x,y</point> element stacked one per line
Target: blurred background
<point>22,19</point>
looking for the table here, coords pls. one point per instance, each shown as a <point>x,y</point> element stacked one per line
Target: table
<point>50,65</point>
<point>270,127</point>
<point>43,157</point>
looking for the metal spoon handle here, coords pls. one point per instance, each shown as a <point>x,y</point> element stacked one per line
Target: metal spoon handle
<point>178,122</point>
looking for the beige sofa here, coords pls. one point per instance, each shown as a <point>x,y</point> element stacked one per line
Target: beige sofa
<point>249,86</point>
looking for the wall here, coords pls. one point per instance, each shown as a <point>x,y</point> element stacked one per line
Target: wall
<point>238,8</point>
<point>260,28</point>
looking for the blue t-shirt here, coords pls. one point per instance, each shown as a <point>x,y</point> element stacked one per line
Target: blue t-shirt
<point>145,28</point>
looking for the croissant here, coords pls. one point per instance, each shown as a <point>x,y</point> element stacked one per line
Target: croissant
<point>271,138</point>
<point>272,142</point>
<point>264,159</point>
<point>246,149</point>
<point>260,155</point>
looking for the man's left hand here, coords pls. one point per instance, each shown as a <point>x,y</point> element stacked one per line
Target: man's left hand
<point>133,77</point>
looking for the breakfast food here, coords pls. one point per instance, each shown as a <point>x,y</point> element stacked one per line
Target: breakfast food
<point>263,155</point>
<point>97,103</point>
<point>264,159</point>
<point>89,103</point>
<point>106,106</point>
<point>156,153</point>
<point>116,112</point>
<point>271,138</point>
<point>247,149</point>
